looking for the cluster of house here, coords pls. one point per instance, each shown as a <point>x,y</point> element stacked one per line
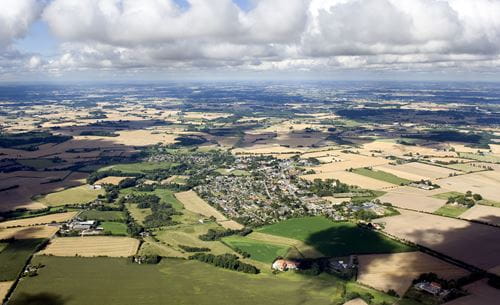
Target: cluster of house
<point>285,265</point>
<point>367,206</point>
<point>424,185</point>
<point>433,288</point>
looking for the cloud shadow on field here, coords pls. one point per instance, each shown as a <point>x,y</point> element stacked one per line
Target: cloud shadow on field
<point>43,298</point>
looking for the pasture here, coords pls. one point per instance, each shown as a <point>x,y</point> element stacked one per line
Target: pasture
<point>114,228</point>
<point>25,222</point>
<point>451,210</point>
<point>334,238</point>
<point>260,251</point>
<point>75,195</point>
<point>381,175</point>
<point>102,215</point>
<point>396,271</point>
<point>82,281</point>
<point>92,246</point>
<point>14,257</point>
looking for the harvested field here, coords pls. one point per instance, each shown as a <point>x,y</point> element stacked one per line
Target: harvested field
<point>351,178</point>
<point>449,236</point>
<point>424,171</point>
<point>4,289</point>
<point>391,148</point>
<point>483,213</point>
<point>92,246</point>
<point>480,294</point>
<point>395,170</point>
<point>192,202</point>
<point>413,198</point>
<point>381,175</point>
<point>111,180</point>
<point>28,232</point>
<point>299,248</point>
<point>266,150</point>
<point>396,271</point>
<point>141,138</point>
<point>346,161</point>
<point>484,183</point>
<point>59,217</point>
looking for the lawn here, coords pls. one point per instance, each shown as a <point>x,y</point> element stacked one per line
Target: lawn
<point>115,228</point>
<point>335,238</point>
<point>451,210</point>
<point>79,195</point>
<point>260,251</point>
<point>82,281</point>
<point>15,255</point>
<point>381,175</point>
<point>139,168</point>
<point>103,215</point>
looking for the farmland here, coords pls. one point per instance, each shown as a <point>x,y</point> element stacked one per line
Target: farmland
<point>102,215</point>
<point>76,195</point>
<point>31,232</point>
<point>92,246</point>
<point>58,217</point>
<point>451,210</point>
<point>381,175</point>
<point>334,238</point>
<point>138,168</point>
<point>90,280</point>
<point>14,257</point>
<point>114,228</point>
<point>260,251</point>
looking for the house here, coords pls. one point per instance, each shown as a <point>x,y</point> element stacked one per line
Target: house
<point>430,287</point>
<point>284,265</point>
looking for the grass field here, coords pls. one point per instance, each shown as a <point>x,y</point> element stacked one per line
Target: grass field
<point>115,228</point>
<point>447,195</point>
<point>102,215</point>
<point>451,210</point>
<point>14,257</point>
<point>335,238</point>
<point>138,168</point>
<point>82,281</point>
<point>80,195</point>
<point>381,175</point>
<point>138,214</point>
<point>165,195</point>
<point>260,251</point>
<point>480,157</point>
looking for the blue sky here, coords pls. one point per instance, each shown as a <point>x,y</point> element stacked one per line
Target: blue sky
<point>376,39</point>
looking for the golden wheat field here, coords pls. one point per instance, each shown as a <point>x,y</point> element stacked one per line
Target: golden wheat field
<point>92,246</point>
<point>59,217</point>
<point>4,289</point>
<point>42,231</point>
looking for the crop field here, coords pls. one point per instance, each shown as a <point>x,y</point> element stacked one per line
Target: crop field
<point>425,171</point>
<point>14,257</point>
<point>141,137</point>
<point>452,237</point>
<point>82,281</point>
<point>396,271</point>
<point>347,161</point>
<point>192,202</point>
<point>451,210</point>
<point>260,251</point>
<point>138,168</point>
<point>296,248</point>
<point>58,217</point>
<point>381,175</point>
<point>484,183</point>
<point>480,293</point>
<point>110,180</point>
<point>464,167</point>
<point>92,246</point>
<point>4,289</point>
<point>395,170</point>
<point>37,163</point>
<point>102,215</point>
<point>30,232</point>
<point>481,157</point>
<point>352,179</point>
<point>334,238</point>
<point>115,228</point>
<point>75,195</point>
<point>413,198</point>
<point>483,213</point>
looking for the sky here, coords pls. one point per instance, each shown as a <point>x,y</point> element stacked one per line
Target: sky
<point>63,40</point>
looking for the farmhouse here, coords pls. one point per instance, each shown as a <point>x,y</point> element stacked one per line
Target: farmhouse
<point>284,265</point>
<point>431,287</point>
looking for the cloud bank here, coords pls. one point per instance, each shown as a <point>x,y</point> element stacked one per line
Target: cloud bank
<point>274,35</point>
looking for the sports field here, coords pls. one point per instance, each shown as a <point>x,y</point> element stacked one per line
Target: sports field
<point>79,195</point>
<point>83,281</point>
<point>381,175</point>
<point>334,238</point>
<point>260,251</point>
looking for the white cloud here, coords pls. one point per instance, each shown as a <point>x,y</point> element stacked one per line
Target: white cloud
<point>16,16</point>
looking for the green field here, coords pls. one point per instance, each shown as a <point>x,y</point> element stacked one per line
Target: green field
<point>3,245</point>
<point>480,157</point>
<point>165,195</point>
<point>102,215</point>
<point>79,195</point>
<point>14,256</point>
<point>260,251</point>
<point>381,175</point>
<point>138,214</point>
<point>484,201</point>
<point>463,167</point>
<point>115,228</point>
<point>112,281</point>
<point>335,238</point>
<point>451,210</point>
<point>138,168</point>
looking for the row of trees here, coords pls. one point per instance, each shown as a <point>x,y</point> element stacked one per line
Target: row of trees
<point>218,234</point>
<point>226,261</point>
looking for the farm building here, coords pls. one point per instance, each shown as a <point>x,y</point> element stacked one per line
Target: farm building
<point>284,265</point>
